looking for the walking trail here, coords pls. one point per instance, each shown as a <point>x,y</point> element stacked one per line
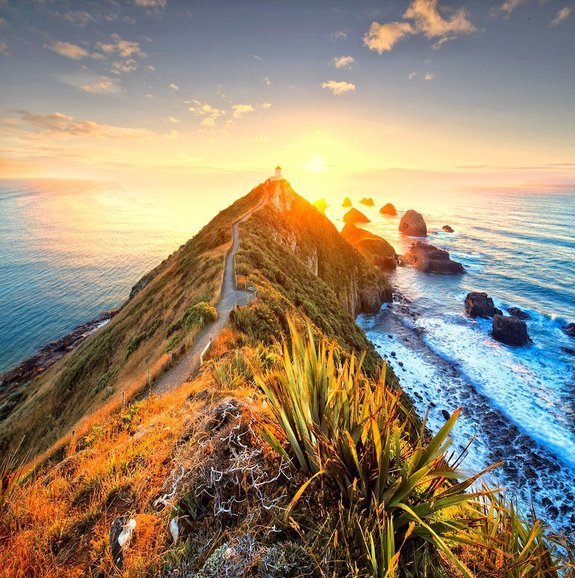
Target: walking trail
<point>190,362</point>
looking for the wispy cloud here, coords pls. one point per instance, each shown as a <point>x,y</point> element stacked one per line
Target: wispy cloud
<point>343,61</point>
<point>128,52</point>
<point>421,17</point>
<point>508,7</point>
<point>428,76</point>
<point>207,112</point>
<point>174,86</point>
<point>338,87</point>
<point>104,85</point>
<point>239,110</point>
<point>265,105</point>
<point>339,35</point>
<point>72,51</point>
<point>79,18</point>
<point>58,124</point>
<point>172,120</point>
<point>4,49</point>
<point>561,15</point>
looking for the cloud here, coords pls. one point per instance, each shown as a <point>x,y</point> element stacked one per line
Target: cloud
<point>338,87</point>
<point>429,76</point>
<point>239,110</point>
<point>72,51</point>
<point>172,120</point>
<point>382,37</point>
<point>153,4</point>
<point>120,47</point>
<point>339,35</point>
<point>412,75</point>
<point>79,18</point>
<point>4,48</point>
<point>209,113</point>
<point>509,5</point>
<point>265,105</point>
<point>104,85</point>
<point>174,86</point>
<point>343,61</point>
<point>421,17</point>
<point>561,15</point>
<point>58,124</point>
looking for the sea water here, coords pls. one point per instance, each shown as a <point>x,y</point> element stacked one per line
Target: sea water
<point>518,402</point>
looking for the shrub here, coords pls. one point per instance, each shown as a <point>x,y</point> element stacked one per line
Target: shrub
<point>199,314</point>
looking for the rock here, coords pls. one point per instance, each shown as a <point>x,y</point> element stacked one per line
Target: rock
<point>346,202</point>
<point>367,201</point>
<point>388,209</point>
<point>430,259</point>
<point>568,350</point>
<point>321,205</point>
<point>447,229</point>
<point>446,415</point>
<point>375,249</point>
<point>478,304</point>
<point>519,313</point>
<point>510,330</point>
<point>354,216</point>
<point>412,224</point>
<point>569,329</point>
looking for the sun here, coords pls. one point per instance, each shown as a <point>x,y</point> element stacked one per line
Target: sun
<point>316,164</point>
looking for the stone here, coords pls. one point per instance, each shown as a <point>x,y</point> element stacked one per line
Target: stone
<point>354,216</point>
<point>374,248</point>
<point>519,313</point>
<point>346,202</point>
<point>367,201</point>
<point>429,259</point>
<point>510,330</point>
<point>479,304</point>
<point>569,329</point>
<point>447,229</point>
<point>388,209</point>
<point>413,224</point>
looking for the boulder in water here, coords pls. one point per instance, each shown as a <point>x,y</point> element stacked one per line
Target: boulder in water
<point>346,202</point>
<point>430,259</point>
<point>510,330</point>
<point>479,304</point>
<point>388,209</point>
<point>367,201</point>
<point>413,224</point>
<point>519,313</point>
<point>447,229</point>
<point>374,248</point>
<point>569,329</point>
<point>354,216</point>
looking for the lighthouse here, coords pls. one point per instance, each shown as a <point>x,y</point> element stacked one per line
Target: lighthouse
<point>277,174</point>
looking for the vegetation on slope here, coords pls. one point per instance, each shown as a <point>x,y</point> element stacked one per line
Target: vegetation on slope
<point>154,326</point>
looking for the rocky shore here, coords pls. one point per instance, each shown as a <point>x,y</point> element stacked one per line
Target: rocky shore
<point>47,356</point>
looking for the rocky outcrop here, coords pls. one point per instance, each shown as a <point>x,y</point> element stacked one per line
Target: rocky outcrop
<point>374,248</point>
<point>388,209</point>
<point>430,259</point>
<point>354,216</point>
<point>321,205</point>
<point>519,313</point>
<point>447,229</point>
<point>367,201</point>
<point>346,202</point>
<point>510,330</point>
<point>413,224</point>
<point>569,329</point>
<point>478,304</point>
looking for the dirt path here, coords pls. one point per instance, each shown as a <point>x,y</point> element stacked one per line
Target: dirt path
<point>189,363</point>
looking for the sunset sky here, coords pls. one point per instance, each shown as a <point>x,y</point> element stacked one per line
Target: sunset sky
<point>467,92</point>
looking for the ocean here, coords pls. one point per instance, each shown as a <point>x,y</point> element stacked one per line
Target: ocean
<point>70,250</point>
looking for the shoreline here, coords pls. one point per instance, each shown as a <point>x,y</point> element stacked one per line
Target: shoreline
<point>22,374</point>
<point>437,386</point>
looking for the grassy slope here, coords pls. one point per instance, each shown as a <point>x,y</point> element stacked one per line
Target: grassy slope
<point>117,358</point>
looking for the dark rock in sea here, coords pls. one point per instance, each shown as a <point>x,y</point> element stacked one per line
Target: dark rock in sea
<point>354,216</point>
<point>447,229</point>
<point>388,209</point>
<point>568,350</point>
<point>430,259</point>
<point>367,201</point>
<point>569,329</point>
<point>393,354</point>
<point>375,249</point>
<point>516,312</point>
<point>479,304</point>
<point>445,414</point>
<point>413,224</point>
<point>346,202</point>
<point>510,330</point>
<point>401,364</point>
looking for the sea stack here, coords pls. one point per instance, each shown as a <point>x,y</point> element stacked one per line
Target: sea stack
<point>447,229</point>
<point>374,248</point>
<point>367,201</point>
<point>346,202</point>
<point>479,304</point>
<point>388,209</point>
<point>430,259</point>
<point>413,224</point>
<point>510,330</point>
<point>354,216</point>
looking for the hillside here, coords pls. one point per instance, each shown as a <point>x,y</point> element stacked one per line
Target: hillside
<point>292,453</point>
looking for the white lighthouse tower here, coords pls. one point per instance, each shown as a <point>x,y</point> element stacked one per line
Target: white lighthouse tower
<point>278,174</point>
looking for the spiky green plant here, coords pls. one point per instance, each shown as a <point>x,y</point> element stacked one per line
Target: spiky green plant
<point>340,425</point>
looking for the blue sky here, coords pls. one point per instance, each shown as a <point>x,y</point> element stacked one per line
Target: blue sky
<point>477,89</point>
